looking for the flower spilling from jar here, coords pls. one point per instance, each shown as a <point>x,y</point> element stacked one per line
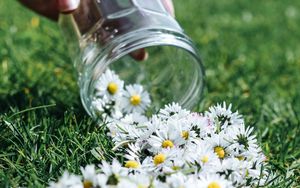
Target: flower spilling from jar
<point>173,148</point>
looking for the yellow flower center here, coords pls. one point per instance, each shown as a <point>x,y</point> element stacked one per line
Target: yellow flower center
<point>87,184</point>
<point>241,158</point>
<point>204,159</point>
<point>135,100</point>
<point>185,135</point>
<point>214,185</point>
<point>132,164</point>
<point>167,144</point>
<point>159,158</point>
<point>220,152</point>
<point>112,88</point>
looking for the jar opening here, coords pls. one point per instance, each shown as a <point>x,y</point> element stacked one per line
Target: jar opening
<point>171,73</point>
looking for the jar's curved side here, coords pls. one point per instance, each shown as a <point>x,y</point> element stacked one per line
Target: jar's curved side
<point>121,46</point>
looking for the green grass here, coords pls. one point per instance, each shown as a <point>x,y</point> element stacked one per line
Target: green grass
<point>251,53</point>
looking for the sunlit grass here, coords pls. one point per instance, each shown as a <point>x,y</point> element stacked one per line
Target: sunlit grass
<point>251,53</point>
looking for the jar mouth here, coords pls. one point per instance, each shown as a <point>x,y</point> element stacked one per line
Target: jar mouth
<point>172,73</point>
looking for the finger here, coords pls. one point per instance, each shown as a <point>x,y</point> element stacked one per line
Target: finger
<point>142,54</point>
<point>139,55</point>
<point>169,6</point>
<point>67,6</point>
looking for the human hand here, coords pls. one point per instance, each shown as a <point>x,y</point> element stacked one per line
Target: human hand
<point>52,8</point>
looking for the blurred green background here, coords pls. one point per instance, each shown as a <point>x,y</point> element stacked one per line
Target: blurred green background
<point>251,52</point>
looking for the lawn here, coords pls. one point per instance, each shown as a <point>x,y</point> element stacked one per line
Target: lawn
<point>251,52</point>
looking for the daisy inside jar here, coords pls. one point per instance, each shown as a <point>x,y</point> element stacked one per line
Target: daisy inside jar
<point>119,84</point>
<point>115,99</point>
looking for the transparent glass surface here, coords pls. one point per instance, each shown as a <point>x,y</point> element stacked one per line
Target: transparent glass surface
<point>169,74</point>
<point>101,34</point>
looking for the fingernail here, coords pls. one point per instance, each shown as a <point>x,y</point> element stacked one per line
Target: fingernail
<point>140,55</point>
<point>67,6</point>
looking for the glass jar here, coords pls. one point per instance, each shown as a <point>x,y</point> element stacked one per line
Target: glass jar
<point>101,35</point>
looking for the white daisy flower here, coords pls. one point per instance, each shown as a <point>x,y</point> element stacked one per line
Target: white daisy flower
<point>177,180</point>
<point>166,137</point>
<point>109,85</point>
<point>100,181</point>
<point>214,181</point>
<point>152,125</point>
<point>113,171</point>
<point>89,176</point>
<point>160,162</point>
<point>201,124</point>
<point>158,184</point>
<point>234,170</point>
<point>67,180</point>
<point>222,117</point>
<point>125,183</point>
<point>219,144</point>
<point>125,132</point>
<point>173,110</point>
<point>107,109</point>
<point>135,99</point>
<point>242,143</point>
<point>134,118</point>
<point>185,128</point>
<point>206,157</point>
<point>133,155</point>
<point>133,152</point>
<point>140,180</point>
<point>192,182</point>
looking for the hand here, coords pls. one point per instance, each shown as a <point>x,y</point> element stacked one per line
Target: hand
<point>52,8</point>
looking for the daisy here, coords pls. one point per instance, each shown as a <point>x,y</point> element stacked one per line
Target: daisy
<point>214,181</point>
<point>125,132</point>
<point>192,182</point>
<point>113,171</point>
<point>100,181</point>
<point>125,183</point>
<point>67,180</point>
<point>234,170</point>
<point>200,124</point>
<point>155,123</point>
<point>243,143</point>
<point>89,176</point>
<point>109,85</point>
<point>135,99</point>
<point>140,180</point>
<point>166,137</point>
<point>222,117</point>
<point>106,108</point>
<point>133,155</point>
<point>133,152</point>
<point>161,162</point>
<point>185,128</point>
<point>134,118</point>
<point>173,110</point>
<point>219,145</point>
<point>204,156</point>
<point>177,180</point>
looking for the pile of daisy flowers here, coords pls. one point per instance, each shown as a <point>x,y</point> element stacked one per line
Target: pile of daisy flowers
<point>173,148</point>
